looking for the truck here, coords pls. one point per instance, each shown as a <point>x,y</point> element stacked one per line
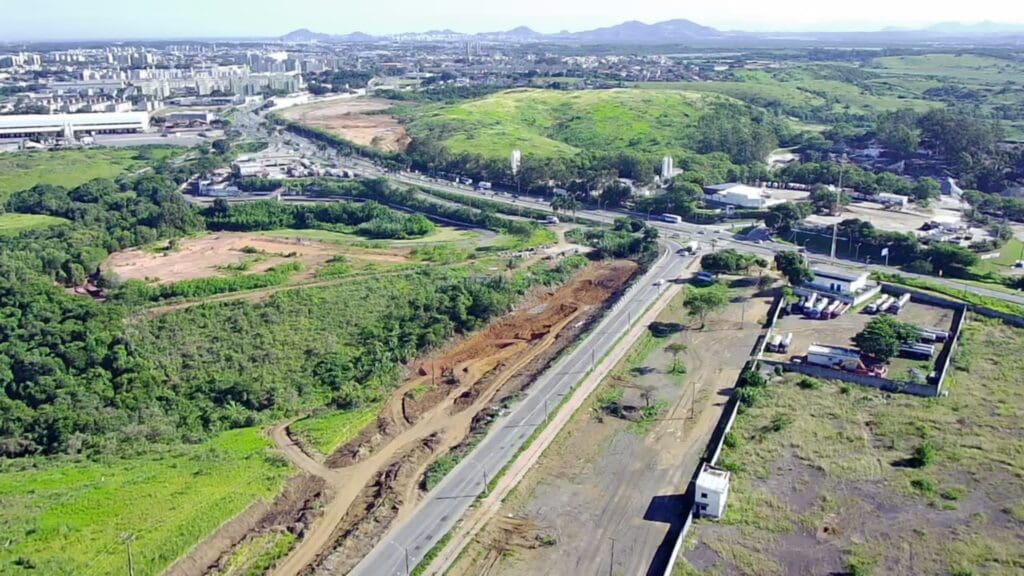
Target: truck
<point>898,304</point>
<point>465,181</point>
<point>672,218</point>
<point>927,335</point>
<point>775,343</point>
<point>689,248</point>
<point>873,307</point>
<point>787,341</point>
<point>483,186</point>
<point>917,351</point>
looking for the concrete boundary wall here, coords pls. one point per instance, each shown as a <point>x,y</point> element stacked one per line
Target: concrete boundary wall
<point>862,379</point>
<point>711,453</point>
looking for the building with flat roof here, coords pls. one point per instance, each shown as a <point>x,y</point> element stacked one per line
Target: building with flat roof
<point>712,492</point>
<point>741,196</point>
<point>838,280</point>
<point>72,125</point>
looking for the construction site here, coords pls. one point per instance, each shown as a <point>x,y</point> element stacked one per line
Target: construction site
<point>340,505</point>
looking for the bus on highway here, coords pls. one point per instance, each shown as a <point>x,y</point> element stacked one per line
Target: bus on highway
<point>673,218</point>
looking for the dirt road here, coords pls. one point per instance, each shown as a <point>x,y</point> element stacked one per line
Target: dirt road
<point>606,483</point>
<point>370,481</point>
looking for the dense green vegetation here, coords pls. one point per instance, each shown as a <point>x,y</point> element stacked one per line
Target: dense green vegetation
<point>730,261</point>
<point>65,517</point>
<point>627,239</point>
<point>138,292</point>
<point>368,219</point>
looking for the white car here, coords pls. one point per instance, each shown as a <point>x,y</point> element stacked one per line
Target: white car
<point>659,282</point>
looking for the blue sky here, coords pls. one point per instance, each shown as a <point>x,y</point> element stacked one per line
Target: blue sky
<point>84,19</point>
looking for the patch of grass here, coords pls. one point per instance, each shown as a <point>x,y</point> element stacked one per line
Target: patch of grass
<point>441,234</point>
<point>859,449</point>
<point>70,168</point>
<point>65,518</point>
<point>12,224</point>
<point>327,431</point>
<point>438,469</point>
<point>256,555</point>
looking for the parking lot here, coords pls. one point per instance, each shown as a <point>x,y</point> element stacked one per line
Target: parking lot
<point>840,331</point>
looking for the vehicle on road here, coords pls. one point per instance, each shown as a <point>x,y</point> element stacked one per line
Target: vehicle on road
<point>672,218</point>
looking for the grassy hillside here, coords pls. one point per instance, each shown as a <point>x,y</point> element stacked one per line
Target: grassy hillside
<point>70,168</point>
<point>67,518</point>
<point>560,124</point>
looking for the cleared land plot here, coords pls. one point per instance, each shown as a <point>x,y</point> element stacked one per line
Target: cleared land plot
<point>228,253</point>
<point>359,120</point>
<point>13,224</point>
<point>448,397</point>
<point>66,518</point>
<point>826,480</point>
<point>893,220</point>
<point>606,477</point>
<point>70,168</point>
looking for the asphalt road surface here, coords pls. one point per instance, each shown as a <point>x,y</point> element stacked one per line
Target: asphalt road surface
<point>445,505</point>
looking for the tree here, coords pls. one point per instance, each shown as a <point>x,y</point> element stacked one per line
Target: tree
<point>793,267</point>
<point>950,259</point>
<point>700,302</point>
<point>675,349</point>
<point>730,261</point>
<point>827,200</point>
<point>926,189</point>
<point>613,195</point>
<point>882,337</point>
<point>221,146</point>
<point>782,217</point>
<point>565,203</point>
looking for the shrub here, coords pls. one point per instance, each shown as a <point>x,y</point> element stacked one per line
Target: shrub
<point>923,485</point>
<point>809,383</point>
<point>924,455</point>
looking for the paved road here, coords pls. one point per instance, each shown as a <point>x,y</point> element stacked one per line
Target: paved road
<point>445,505</point>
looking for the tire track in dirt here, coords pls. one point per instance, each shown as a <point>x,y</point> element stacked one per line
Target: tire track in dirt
<point>374,478</point>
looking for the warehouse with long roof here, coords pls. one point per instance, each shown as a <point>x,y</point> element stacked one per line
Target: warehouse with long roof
<point>72,125</point>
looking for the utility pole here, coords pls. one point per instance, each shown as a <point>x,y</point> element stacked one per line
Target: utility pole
<point>127,538</point>
<point>611,561</point>
<point>835,208</point>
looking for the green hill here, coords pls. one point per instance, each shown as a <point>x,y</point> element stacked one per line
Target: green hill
<point>548,123</point>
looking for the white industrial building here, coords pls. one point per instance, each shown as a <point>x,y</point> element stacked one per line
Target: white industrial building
<point>741,196</point>
<point>72,125</point>
<point>711,493</point>
<point>838,280</point>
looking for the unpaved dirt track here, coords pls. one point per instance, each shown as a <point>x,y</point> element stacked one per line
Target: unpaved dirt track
<point>380,468</point>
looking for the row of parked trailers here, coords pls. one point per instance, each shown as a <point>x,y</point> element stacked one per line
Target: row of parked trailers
<point>779,343</point>
<point>821,307</point>
<point>925,347</point>
<point>890,304</point>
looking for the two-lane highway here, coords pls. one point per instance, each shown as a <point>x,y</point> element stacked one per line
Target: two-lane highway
<point>445,505</point>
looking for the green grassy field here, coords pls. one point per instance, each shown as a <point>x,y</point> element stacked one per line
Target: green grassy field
<point>327,431</point>
<point>66,518</point>
<point>13,224</point>
<point>559,124</point>
<point>969,68</point>
<point>827,477</point>
<point>70,168</point>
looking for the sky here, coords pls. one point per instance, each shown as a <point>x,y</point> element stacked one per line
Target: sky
<point>133,19</point>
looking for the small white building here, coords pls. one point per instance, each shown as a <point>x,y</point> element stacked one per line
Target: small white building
<point>838,280</point>
<point>711,493</point>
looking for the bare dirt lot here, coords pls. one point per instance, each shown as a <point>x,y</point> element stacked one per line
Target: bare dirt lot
<point>375,478</point>
<point>216,254</point>
<point>615,477</point>
<point>829,478</point>
<point>359,120</point>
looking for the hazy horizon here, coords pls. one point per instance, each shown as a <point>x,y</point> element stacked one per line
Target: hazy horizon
<point>56,20</point>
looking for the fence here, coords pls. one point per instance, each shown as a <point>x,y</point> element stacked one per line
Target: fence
<point>711,453</point>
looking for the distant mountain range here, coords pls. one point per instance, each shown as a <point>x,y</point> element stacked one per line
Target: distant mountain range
<point>677,31</point>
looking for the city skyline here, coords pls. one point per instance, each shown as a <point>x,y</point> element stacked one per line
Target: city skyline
<point>117,19</point>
